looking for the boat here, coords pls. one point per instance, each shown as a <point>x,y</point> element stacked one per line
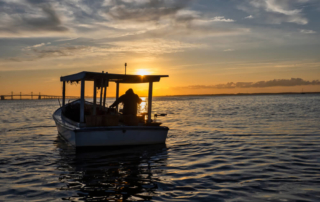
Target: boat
<point>91,124</point>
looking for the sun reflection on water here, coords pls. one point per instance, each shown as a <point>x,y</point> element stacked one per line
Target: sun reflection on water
<point>143,105</point>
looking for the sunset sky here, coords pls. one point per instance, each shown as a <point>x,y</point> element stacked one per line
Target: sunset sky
<point>205,46</point>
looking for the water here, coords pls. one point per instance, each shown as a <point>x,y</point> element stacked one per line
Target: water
<point>223,148</point>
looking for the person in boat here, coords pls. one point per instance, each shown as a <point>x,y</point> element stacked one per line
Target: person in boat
<point>130,102</point>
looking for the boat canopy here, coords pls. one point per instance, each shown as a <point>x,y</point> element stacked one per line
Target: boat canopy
<point>118,78</point>
<point>101,80</point>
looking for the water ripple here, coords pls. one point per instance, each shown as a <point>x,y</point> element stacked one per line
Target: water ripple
<point>221,148</point>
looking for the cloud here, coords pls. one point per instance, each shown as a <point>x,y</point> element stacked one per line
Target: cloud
<point>18,17</point>
<point>229,50</point>
<point>112,18</point>
<point>278,11</point>
<point>161,18</point>
<point>39,45</point>
<point>150,10</point>
<point>60,51</point>
<point>102,48</point>
<point>114,22</point>
<point>306,31</point>
<point>221,19</point>
<point>249,17</point>
<point>259,84</point>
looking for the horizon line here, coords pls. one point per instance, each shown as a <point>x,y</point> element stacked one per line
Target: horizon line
<point>186,95</point>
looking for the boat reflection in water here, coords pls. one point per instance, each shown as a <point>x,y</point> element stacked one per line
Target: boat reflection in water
<point>117,174</point>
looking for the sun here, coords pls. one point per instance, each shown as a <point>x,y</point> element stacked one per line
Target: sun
<point>142,72</point>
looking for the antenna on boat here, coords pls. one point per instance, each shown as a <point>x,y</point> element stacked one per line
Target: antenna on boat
<point>125,68</point>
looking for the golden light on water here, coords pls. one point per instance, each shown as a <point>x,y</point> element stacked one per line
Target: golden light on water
<point>143,105</point>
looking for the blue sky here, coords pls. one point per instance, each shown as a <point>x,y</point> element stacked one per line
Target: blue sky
<point>201,44</point>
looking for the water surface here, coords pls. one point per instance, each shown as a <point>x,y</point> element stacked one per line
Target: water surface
<point>220,148</point>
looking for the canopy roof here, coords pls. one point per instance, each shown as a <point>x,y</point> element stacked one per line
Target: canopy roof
<point>120,78</point>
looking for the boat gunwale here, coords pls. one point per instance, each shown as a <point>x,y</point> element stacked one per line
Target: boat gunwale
<point>78,128</point>
<point>112,128</point>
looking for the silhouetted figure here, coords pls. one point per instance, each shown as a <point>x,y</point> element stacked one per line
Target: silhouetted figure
<point>130,102</point>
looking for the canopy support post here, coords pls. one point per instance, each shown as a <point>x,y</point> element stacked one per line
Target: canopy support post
<point>63,93</point>
<point>94,98</point>
<point>117,93</point>
<point>82,102</point>
<point>106,84</point>
<point>150,102</point>
<point>101,89</point>
<point>104,96</point>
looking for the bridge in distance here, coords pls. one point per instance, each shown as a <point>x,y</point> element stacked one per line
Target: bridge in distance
<point>32,96</point>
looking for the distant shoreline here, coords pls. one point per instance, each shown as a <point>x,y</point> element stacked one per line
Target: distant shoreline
<point>203,95</point>
<point>239,94</point>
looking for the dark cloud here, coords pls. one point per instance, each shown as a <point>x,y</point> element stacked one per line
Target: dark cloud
<point>170,19</point>
<point>34,53</point>
<point>50,20</point>
<point>174,16</point>
<point>58,52</point>
<point>259,84</point>
<point>152,10</point>
<point>32,16</point>
<point>150,18</point>
<point>78,47</point>
<point>86,11</point>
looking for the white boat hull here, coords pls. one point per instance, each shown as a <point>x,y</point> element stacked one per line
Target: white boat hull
<point>109,136</point>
